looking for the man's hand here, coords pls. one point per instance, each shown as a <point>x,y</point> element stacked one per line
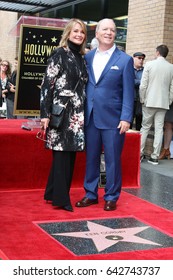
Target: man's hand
<point>123,126</point>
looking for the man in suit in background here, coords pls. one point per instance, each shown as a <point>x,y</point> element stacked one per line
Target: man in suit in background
<point>108,114</point>
<point>156,94</point>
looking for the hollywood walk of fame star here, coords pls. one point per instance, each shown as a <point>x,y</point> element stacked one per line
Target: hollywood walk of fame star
<point>104,237</point>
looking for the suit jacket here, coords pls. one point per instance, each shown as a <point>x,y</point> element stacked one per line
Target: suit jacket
<point>156,88</point>
<point>112,97</point>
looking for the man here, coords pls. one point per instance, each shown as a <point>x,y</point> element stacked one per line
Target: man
<point>94,43</point>
<point>156,94</point>
<point>108,114</point>
<point>138,59</point>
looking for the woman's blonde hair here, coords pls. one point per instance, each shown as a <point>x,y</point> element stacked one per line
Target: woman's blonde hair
<point>67,30</point>
<point>8,71</point>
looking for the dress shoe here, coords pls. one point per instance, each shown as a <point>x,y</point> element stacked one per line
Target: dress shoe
<point>86,202</point>
<point>110,205</point>
<point>68,208</point>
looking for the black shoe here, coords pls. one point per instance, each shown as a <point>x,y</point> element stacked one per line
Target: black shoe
<point>84,202</point>
<point>153,161</point>
<point>68,208</point>
<point>110,205</point>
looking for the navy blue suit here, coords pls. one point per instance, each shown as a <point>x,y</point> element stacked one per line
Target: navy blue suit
<point>108,101</point>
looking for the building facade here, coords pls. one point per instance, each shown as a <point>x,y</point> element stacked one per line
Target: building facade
<point>149,23</point>
<point>8,43</point>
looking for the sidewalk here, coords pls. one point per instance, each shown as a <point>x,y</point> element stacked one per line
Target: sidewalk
<point>156,183</point>
<point>165,167</point>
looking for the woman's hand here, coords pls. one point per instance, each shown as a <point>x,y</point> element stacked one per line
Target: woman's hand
<point>12,88</point>
<point>4,91</point>
<point>44,123</point>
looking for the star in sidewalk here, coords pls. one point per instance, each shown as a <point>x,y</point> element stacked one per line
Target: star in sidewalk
<point>104,237</point>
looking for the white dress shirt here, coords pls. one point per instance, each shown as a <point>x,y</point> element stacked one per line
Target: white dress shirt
<point>100,60</point>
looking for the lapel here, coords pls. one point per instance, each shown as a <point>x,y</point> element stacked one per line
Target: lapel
<point>90,67</point>
<point>113,59</point>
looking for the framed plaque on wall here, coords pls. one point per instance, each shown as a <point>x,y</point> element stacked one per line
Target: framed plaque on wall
<point>35,46</point>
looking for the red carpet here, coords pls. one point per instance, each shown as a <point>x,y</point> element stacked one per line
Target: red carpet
<point>3,256</point>
<point>25,162</point>
<point>22,239</point>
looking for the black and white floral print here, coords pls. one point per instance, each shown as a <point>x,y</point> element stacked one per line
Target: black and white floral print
<point>61,77</point>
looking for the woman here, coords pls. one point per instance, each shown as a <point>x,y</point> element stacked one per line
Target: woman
<point>11,95</point>
<point>5,85</point>
<point>64,81</point>
<point>168,133</point>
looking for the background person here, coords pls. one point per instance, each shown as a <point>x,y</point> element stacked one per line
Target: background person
<point>156,94</point>
<point>94,43</point>
<point>138,59</point>
<point>13,88</point>
<point>108,114</point>
<point>1,100</point>
<point>167,135</point>
<point>11,94</point>
<point>65,69</point>
<point>5,85</point>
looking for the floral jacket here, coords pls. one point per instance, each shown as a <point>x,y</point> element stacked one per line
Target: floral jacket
<point>64,81</point>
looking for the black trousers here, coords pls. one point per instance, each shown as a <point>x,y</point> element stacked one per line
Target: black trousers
<point>60,178</point>
<point>137,116</point>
